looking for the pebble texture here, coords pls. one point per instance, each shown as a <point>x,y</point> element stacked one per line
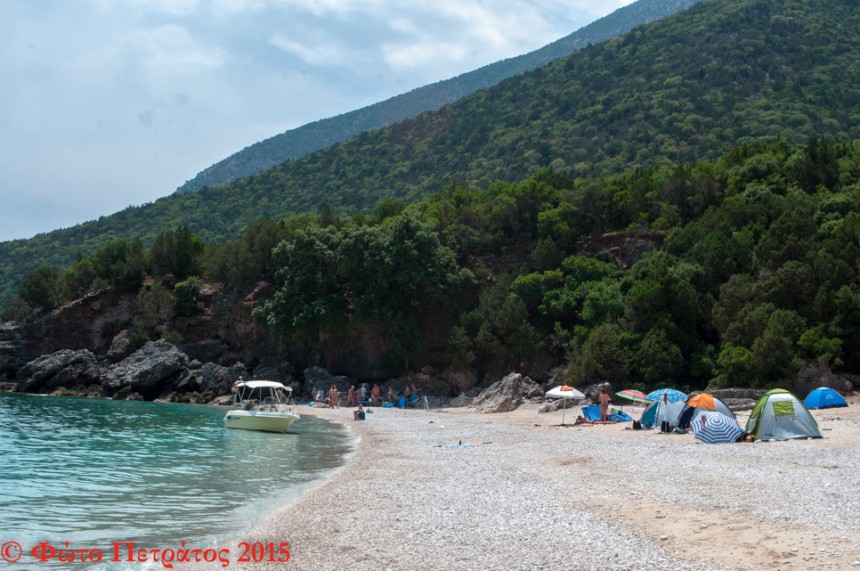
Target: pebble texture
<point>456,490</point>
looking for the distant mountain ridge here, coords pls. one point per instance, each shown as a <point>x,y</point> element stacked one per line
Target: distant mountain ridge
<point>680,90</point>
<point>298,142</point>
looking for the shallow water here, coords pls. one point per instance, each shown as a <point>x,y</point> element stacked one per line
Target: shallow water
<point>95,472</point>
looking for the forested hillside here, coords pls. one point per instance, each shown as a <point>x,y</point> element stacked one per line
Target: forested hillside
<point>298,142</point>
<point>733,272</point>
<point>683,89</point>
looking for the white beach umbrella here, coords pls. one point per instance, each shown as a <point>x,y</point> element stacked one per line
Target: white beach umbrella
<point>565,392</point>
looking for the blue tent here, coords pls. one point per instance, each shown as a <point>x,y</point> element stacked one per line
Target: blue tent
<point>824,397</point>
<point>592,414</point>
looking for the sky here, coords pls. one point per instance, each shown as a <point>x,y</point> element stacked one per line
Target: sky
<point>106,104</point>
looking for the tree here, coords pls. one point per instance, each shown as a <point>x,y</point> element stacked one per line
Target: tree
<point>41,289</point>
<point>177,252</point>
<point>185,297</point>
<point>657,358</point>
<point>603,357</point>
<point>80,279</point>
<point>120,263</point>
<point>310,291</point>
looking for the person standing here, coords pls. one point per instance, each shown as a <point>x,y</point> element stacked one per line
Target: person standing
<point>350,396</point>
<point>603,399</point>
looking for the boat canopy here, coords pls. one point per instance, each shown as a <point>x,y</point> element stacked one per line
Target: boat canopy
<point>263,385</point>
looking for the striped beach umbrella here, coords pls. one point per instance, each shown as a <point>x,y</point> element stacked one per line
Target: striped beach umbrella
<point>715,428</point>
<point>636,396</point>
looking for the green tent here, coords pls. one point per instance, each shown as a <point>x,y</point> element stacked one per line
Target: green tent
<point>779,415</point>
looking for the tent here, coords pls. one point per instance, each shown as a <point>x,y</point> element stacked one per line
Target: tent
<point>592,414</point>
<point>659,412</point>
<point>702,402</point>
<point>779,415</point>
<point>824,397</point>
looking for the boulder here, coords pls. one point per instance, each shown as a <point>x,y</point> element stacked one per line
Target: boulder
<point>206,350</point>
<point>738,399</point>
<point>317,378</point>
<point>507,394</point>
<point>120,347</point>
<point>147,371</point>
<point>814,375</point>
<point>65,368</point>
<point>215,380</point>
<point>552,406</point>
<point>12,348</point>
<point>274,371</point>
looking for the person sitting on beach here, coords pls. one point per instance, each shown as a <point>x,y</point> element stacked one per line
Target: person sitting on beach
<point>358,414</point>
<point>603,399</point>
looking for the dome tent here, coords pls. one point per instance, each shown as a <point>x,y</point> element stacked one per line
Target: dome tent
<point>824,397</point>
<point>779,415</point>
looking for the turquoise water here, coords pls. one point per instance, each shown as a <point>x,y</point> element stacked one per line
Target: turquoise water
<point>95,472</point>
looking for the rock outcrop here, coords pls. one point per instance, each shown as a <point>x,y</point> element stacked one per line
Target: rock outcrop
<point>153,370</point>
<point>11,349</point>
<point>319,379</point>
<point>72,370</point>
<point>813,375</point>
<point>507,394</point>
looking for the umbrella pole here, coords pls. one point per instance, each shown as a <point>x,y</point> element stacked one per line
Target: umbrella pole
<point>563,408</point>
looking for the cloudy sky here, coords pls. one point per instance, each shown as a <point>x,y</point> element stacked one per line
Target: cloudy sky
<point>111,103</point>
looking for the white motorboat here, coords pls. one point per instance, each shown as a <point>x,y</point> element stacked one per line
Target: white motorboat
<point>261,405</point>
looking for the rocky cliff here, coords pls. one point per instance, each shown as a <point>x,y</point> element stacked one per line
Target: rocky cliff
<point>87,348</point>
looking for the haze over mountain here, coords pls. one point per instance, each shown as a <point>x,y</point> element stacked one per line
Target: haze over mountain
<point>686,88</point>
<point>110,104</point>
<point>296,143</point>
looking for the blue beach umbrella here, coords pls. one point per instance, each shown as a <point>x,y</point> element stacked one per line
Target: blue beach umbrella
<point>714,428</point>
<point>671,395</point>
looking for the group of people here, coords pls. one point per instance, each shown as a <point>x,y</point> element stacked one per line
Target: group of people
<point>359,396</point>
<point>365,395</point>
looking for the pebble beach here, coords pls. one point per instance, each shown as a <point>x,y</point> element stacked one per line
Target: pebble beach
<point>453,489</point>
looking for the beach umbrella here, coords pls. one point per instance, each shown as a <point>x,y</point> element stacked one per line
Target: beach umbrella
<point>565,392</point>
<point>714,428</point>
<point>666,395</point>
<point>635,396</point>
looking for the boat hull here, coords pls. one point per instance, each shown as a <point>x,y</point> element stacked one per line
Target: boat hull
<point>256,420</point>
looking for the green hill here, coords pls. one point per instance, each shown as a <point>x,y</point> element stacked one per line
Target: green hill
<point>686,88</point>
<point>298,142</point>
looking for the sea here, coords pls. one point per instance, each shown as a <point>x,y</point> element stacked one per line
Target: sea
<point>86,475</point>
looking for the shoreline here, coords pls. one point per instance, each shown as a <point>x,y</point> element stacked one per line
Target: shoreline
<point>455,489</point>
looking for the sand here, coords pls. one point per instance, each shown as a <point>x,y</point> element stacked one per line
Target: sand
<point>456,490</point>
